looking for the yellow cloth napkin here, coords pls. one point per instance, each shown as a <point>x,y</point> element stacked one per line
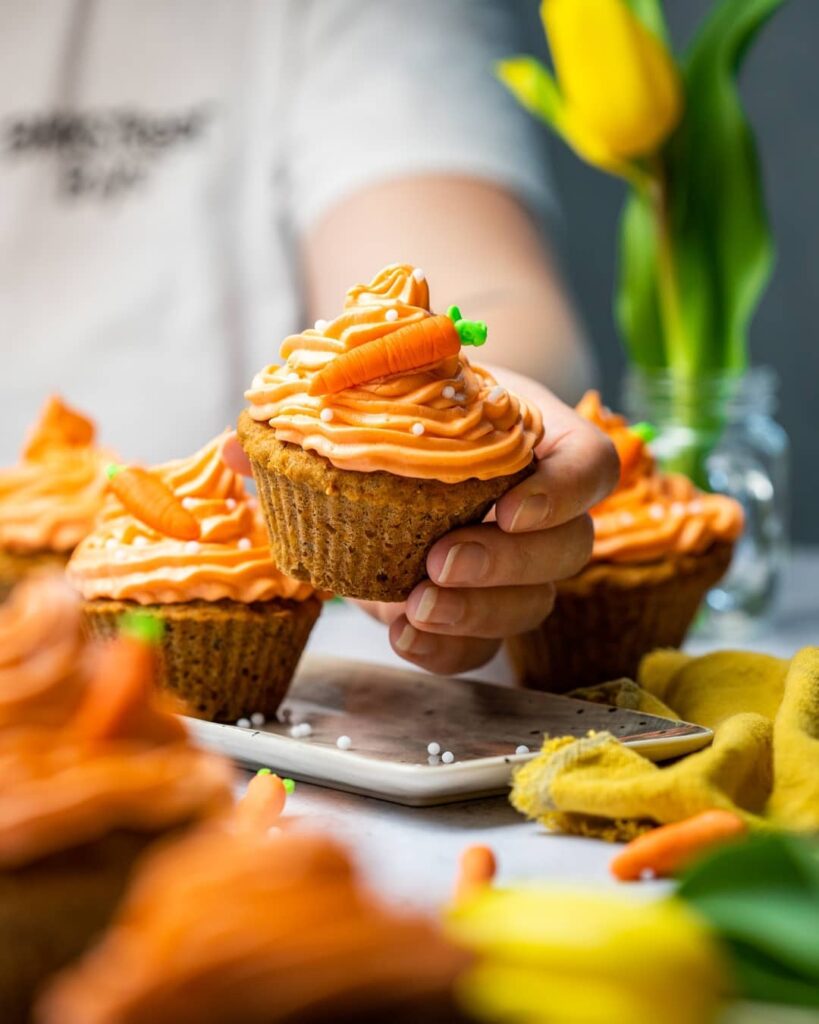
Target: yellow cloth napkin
<point>763,762</point>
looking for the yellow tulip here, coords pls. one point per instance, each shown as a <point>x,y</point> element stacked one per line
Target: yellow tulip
<point>618,94</point>
<point>586,957</point>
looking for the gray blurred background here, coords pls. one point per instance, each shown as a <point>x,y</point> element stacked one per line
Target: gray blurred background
<point>780,89</point>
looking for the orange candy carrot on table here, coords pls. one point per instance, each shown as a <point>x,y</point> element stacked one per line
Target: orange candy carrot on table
<point>153,502</point>
<point>668,849</point>
<point>476,869</point>
<point>420,344</point>
<point>262,804</point>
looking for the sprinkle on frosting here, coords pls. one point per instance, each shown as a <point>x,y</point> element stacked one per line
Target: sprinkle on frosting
<point>230,560</point>
<point>465,435</point>
<point>49,500</point>
<point>652,514</point>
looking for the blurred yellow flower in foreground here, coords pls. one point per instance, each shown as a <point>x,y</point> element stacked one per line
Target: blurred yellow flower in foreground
<point>618,93</point>
<point>585,957</point>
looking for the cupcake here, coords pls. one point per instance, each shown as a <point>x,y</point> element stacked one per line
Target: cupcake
<point>229,925</point>
<point>49,500</point>
<point>94,769</point>
<point>186,542</point>
<point>376,436</point>
<point>659,546</point>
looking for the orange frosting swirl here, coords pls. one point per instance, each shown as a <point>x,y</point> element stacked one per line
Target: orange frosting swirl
<point>43,661</point>
<point>448,422</point>
<point>125,559</point>
<point>225,927</point>
<point>48,502</point>
<point>108,755</point>
<point>651,514</point>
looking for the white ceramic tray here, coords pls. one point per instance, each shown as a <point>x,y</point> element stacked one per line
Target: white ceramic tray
<point>391,715</point>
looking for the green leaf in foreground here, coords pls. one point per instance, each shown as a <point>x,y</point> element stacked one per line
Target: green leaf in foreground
<point>762,898</point>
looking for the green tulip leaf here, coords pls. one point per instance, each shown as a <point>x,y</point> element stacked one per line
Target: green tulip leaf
<point>762,898</point>
<point>533,86</point>
<point>718,227</point>
<point>650,13</point>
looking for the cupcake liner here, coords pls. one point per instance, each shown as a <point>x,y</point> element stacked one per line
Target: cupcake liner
<point>224,659</point>
<point>363,535</point>
<point>14,566</point>
<point>53,909</point>
<point>609,615</point>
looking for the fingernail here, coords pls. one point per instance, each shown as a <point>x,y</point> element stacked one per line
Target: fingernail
<point>441,607</point>
<point>465,563</point>
<point>413,641</point>
<point>532,513</point>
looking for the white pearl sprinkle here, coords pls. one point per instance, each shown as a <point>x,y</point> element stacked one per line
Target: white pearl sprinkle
<point>459,398</point>
<point>418,274</point>
<point>656,511</point>
<point>344,743</point>
<point>678,509</point>
<point>522,749</point>
<point>191,547</point>
<point>433,748</point>
<point>120,555</point>
<point>448,392</point>
<point>496,394</point>
<point>433,759</point>
<point>257,719</point>
<point>391,315</point>
<point>326,415</point>
<point>231,504</point>
<point>112,543</point>
<point>188,503</point>
<point>648,874</point>
<point>626,519</point>
<point>252,502</point>
<point>140,542</point>
<point>417,429</point>
<point>301,731</point>
<point>243,723</point>
<point>321,325</point>
<point>244,544</point>
<point>695,507</point>
<point>447,757</point>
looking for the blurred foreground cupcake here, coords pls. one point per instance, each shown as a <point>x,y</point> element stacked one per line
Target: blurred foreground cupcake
<point>659,546</point>
<point>233,924</point>
<point>376,436</point>
<point>185,541</point>
<point>49,500</point>
<point>93,770</point>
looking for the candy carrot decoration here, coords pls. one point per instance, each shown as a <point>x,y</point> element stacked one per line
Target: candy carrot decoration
<point>477,868</point>
<point>152,502</point>
<point>263,802</point>
<point>668,849</point>
<point>120,699</point>
<point>413,347</point>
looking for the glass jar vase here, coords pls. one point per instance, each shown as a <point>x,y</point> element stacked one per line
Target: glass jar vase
<point>720,431</point>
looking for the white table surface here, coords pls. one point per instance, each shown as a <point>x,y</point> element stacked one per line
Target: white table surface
<point>411,853</point>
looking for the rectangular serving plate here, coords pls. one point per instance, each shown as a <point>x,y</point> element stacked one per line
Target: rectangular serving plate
<point>391,715</point>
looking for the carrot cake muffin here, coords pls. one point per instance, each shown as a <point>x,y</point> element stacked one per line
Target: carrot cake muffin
<point>233,924</point>
<point>186,542</point>
<point>376,436</point>
<point>94,769</point>
<point>49,500</point>
<point>659,546</point>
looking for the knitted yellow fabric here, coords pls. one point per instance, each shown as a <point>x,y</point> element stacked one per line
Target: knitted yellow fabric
<point>763,763</point>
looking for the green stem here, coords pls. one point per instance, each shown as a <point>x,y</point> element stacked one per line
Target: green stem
<point>681,350</point>
<point>676,341</point>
